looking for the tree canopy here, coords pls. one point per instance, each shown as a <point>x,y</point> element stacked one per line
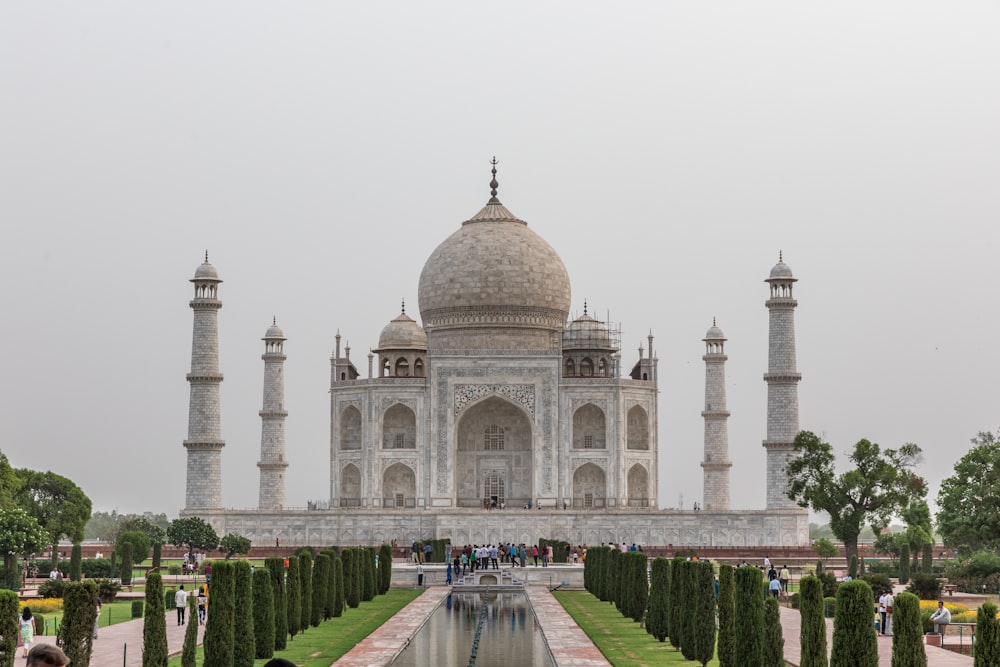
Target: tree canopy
<point>879,486</point>
<point>60,506</point>
<point>138,541</point>
<point>192,532</point>
<point>234,544</point>
<point>969,501</point>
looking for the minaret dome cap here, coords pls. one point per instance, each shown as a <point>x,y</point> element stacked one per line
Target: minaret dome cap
<point>781,271</point>
<point>274,332</point>
<point>714,333</point>
<point>206,271</point>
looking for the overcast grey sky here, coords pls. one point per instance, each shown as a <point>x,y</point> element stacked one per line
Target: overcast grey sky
<point>320,151</point>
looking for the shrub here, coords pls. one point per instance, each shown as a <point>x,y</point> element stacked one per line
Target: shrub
<point>829,607</point>
<point>168,597</point>
<point>830,583</point>
<point>305,586</point>
<point>95,568</point>
<point>812,623</point>
<point>138,606</point>
<point>774,643</point>
<point>855,643</point>
<point>107,590</point>
<point>904,564</point>
<point>10,610</point>
<point>795,601</point>
<point>219,627</point>
<point>244,649</point>
<point>276,567</point>
<point>750,620</point>
<point>75,562</point>
<point>52,588</point>
<point>174,569</point>
<point>659,594</point>
<point>879,582</point>
<point>154,624</point>
<point>987,637</point>
<point>263,614</point>
<point>321,574</point>
<point>39,623</point>
<point>907,632</point>
<point>293,596</point>
<point>76,631</point>
<point>925,586</point>
<point>726,647</point>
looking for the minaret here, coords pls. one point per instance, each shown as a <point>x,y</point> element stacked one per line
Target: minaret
<point>716,464</point>
<point>204,442</point>
<point>782,385</point>
<point>272,462</point>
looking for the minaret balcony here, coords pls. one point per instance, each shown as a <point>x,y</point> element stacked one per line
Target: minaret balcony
<point>716,465</point>
<point>205,304</point>
<point>273,414</point>
<point>204,378</point>
<point>272,465</point>
<point>715,413</point>
<point>782,377</point>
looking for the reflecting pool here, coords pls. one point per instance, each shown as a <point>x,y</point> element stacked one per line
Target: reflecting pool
<point>509,636</point>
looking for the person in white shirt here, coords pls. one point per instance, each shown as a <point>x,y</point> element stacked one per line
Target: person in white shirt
<point>888,613</point>
<point>940,618</point>
<point>180,601</point>
<point>881,612</point>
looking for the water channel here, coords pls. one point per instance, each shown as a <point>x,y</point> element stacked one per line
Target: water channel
<point>509,635</point>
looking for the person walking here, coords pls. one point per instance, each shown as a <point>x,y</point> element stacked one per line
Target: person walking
<point>180,601</point>
<point>27,630</point>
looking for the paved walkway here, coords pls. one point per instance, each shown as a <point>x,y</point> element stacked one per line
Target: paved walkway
<point>791,628</point>
<point>121,644</point>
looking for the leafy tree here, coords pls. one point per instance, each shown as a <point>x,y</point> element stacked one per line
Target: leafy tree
<point>726,646</point>
<point>243,622</point>
<point>192,532</point>
<point>76,562</point>
<point>824,548</point>
<point>907,632</point>
<point>774,644</point>
<point>855,643</point>
<point>987,636</point>
<point>750,619</point>
<point>60,506</point>
<point>967,517</point>
<point>812,636</point>
<point>234,544</point>
<point>10,483</point>
<point>880,485</point>
<point>659,595</point>
<point>276,567</point>
<point>321,575</point>
<point>338,571</point>
<point>76,631</point>
<point>154,625</point>
<point>10,611</point>
<point>919,530</point>
<point>887,544</point>
<point>293,589</point>
<point>703,611</point>
<point>189,650</point>
<point>384,568</point>
<point>140,546</point>
<point>306,587</point>
<point>263,614</point>
<point>676,601</point>
<point>19,533</point>
<point>220,635</point>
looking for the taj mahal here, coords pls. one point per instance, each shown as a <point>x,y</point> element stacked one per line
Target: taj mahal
<point>495,418</point>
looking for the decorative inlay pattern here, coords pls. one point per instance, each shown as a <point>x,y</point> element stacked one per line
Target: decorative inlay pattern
<point>523,394</point>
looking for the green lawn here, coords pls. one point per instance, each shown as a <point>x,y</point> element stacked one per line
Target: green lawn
<point>111,614</point>
<point>321,646</point>
<point>622,641</point>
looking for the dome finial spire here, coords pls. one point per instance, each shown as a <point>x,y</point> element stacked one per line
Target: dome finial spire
<point>584,306</point>
<point>493,182</point>
<point>404,306</point>
<point>781,256</point>
<point>206,256</point>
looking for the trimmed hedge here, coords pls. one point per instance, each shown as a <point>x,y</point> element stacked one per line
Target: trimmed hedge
<point>774,643</point>
<point>750,619</point>
<point>987,636</point>
<point>306,587</point>
<point>220,637</point>
<point>338,571</point>
<point>76,562</point>
<point>726,646</point>
<point>263,614</point>
<point>676,603</point>
<point>10,612</point>
<point>812,623</point>
<point>243,622</point>
<point>154,624</point>
<point>293,596</point>
<point>659,597</point>
<point>907,633</point>
<point>703,612</point>
<point>855,643</point>
<point>76,632</point>
<point>384,569</point>
<point>276,568</point>
<point>190,648</point>
<point>321,576</point>
<point>138,607</point>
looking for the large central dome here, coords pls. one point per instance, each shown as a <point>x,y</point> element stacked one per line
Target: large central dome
<point>494,272</point>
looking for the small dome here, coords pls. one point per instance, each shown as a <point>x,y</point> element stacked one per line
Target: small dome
<point>274,331</point>
<point>586,333</point>
<point>403,333</point>
<point>714,333</point>
<point>781,271</point>
<point>206,271</point>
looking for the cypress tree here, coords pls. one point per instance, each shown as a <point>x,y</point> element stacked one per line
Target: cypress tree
<point>611,578</point>
<point>676,602</point>
<point>904,564</point>
<point>774,643</point>
<point>154,625</point>
<point>749,626</point>
<point>907,632</point>
<point>126,565</point>
<point>384,569</point>
<point>293,596</point>
<point>190,648</point>
<point>76,632</point>
<point>244,650</point>
<point>688,602</point>
<point>819,567</point>
<point>263,614</point>
<point>157,551</point>
<point>352,578</point>
<point>338,587</point>
<point>726,647</point>
<point>10,612</point>
<point>276,567</point>
<point>927,566</point>
<point>703,612</point>
<point>987,636</point>
<point>76,562</point>
<point>321,575</point>
<point>852,569</point>
<point>659,595</point>
<point>220,636</point>
<point>331,584</point>
<point>368,568</point>
<point>812,629</point>
<point>306,586</point>
<point>854,641</point>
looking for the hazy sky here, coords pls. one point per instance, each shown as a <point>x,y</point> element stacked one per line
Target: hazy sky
<point>320,151</point>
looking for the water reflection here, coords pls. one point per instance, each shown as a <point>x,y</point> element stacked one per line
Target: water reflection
<point>510,633</point>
